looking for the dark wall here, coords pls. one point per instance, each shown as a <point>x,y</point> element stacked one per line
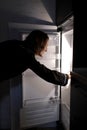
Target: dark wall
<point>78,103</point>
<point>5,105</point>
<point>78,108</point>
<point>80,43</point>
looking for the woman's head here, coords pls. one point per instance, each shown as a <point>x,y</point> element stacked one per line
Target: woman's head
<point>37,42</point>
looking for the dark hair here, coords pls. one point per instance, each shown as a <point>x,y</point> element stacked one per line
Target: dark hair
<point>36,40</point>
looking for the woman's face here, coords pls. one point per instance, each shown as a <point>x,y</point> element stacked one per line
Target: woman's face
<point>44,49</point>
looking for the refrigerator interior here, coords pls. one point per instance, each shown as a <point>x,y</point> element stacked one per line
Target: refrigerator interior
<point>34,87</point>
<point>41,98</point>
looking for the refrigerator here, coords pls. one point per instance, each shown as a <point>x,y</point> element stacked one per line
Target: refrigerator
<point>44,102</point>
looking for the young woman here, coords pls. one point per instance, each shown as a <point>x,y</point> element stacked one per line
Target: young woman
<point>16,56</point>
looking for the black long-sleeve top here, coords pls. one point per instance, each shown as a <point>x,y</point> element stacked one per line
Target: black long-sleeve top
<point>15,59</point>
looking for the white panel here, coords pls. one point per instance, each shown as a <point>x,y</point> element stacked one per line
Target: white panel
<point>36,87</point>
<point>67,53</point>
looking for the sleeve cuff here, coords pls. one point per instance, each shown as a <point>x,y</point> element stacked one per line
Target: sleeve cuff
<point>65,80</point>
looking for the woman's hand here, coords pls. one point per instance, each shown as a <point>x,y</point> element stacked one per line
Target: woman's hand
<point>69,76</point>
